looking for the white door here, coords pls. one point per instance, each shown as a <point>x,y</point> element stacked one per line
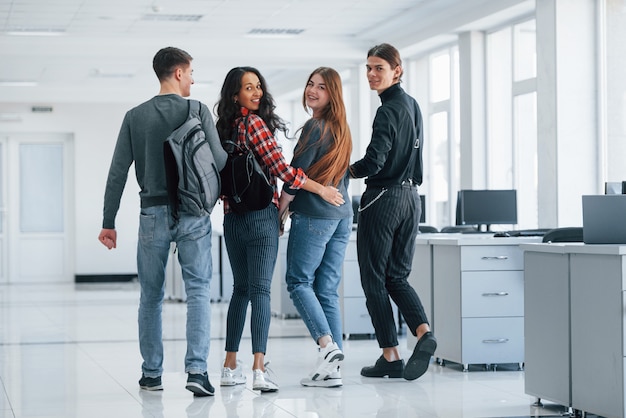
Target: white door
<point>36,208</point>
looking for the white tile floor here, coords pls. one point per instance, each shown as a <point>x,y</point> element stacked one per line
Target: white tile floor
<point>71,351</point>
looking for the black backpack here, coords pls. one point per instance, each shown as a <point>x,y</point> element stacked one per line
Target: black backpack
<point>193,181</point>
<point>244,182</point>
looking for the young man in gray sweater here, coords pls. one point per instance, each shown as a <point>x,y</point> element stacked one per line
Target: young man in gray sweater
<point>140,141</point>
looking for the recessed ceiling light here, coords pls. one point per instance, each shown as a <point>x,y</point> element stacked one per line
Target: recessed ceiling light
<point>17,83</point>
<point>10,117</point>
<point>98,73</point>
<point>171,17</point>
<point>273,33</point>
<point>34,32</point>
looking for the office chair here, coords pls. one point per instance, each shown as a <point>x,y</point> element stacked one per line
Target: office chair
<point>425,229</point>
<point>458,228</point>
<point>565,234</point>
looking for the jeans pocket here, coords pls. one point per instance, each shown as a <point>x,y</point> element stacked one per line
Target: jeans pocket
<point>321,227</point>
<point>147,225</point>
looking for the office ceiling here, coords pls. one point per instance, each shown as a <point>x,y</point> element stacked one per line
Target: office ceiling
<point>101,50</point>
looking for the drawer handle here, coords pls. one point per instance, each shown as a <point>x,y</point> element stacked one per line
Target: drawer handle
<point>496,341</point>
<point>497,257</point>
<point>496,294</point>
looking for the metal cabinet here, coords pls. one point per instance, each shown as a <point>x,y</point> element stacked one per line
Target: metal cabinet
<point>356,318</point>
<point>547,323</point>
<point>478,300</point>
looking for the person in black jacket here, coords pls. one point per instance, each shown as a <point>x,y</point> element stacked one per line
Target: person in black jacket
<point>389,215</point>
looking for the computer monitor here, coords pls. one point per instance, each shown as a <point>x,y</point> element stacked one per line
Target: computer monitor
<point>486,208</point>
<point>615,187</point>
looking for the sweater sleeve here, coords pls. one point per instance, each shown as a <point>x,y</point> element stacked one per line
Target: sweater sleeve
<point>118,174</point>
<point>212,137</point>
<point>378,149</point>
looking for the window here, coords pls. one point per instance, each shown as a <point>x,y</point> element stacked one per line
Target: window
<point>512,116</point>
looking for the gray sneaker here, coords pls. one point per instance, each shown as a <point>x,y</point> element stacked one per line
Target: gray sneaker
<point>199,384</point>
<point>150,383</point>
<point>261,380</point>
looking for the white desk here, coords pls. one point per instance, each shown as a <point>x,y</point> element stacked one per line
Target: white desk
<point>597,343</point>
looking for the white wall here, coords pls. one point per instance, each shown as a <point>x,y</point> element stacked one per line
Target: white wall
<point>95,128</point>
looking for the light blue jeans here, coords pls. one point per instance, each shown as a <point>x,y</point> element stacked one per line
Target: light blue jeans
<point>315,254</point>
<point>193,240</point>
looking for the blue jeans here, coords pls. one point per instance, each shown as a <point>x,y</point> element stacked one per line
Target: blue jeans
<point>193,240</point>
<point>315,256</point>
<point>252,244</point>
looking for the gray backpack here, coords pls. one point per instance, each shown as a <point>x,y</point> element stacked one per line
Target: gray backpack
<point>193,180</point>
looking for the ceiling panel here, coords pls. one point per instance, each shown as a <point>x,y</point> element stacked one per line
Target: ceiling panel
<point>106,46</point>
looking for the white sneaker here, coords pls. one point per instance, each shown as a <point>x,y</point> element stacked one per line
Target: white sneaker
<point>232,377</point>
<point>261,380</point>
<point>333,380</point>
<point>330,358</point>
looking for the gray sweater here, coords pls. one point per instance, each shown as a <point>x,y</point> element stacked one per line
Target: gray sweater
<point>140,140</point>
<point>307,203</point>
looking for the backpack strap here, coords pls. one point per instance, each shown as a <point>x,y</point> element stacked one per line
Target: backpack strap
<point>194,108</point>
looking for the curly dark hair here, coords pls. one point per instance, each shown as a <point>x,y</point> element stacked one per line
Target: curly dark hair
<point>227,110</point>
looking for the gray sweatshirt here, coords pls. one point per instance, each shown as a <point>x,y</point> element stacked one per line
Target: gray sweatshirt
<point>140,141</point>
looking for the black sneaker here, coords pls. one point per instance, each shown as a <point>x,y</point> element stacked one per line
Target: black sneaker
<point>150,383</point>
<point>382,368</point>
<point>199,384</point>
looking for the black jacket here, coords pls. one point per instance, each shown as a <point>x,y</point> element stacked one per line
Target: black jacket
<point>394,154</point>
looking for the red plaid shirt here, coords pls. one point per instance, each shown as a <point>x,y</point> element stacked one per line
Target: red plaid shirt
<point>268,152</point>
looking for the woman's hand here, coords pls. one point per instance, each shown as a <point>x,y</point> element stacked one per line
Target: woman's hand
<point>332,195</point>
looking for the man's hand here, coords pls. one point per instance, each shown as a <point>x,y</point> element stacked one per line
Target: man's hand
<point>108,238</point>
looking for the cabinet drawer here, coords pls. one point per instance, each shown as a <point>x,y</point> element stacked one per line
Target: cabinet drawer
<point>492,257</point>
<point>356,318</point>
<point>492,293</point>
<point>493,340</point>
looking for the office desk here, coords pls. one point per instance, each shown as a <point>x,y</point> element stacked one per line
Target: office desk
<point>596,344</point>
<point>546,326</point>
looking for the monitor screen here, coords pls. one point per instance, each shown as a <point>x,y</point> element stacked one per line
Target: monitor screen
<point>486,207</point>
<point>615,187</point>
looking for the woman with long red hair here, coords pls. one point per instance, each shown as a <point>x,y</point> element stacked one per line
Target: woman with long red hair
<point>319,231</point>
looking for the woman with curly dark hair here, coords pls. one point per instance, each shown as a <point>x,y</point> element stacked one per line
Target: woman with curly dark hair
<point>246,109</point>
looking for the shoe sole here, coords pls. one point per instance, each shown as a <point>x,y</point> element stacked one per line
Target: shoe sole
<point>232,382</point>
<point>326,383</point>
<point>264,389</point>
<point>420,360</point>
<point>152,388</point>
<point>328,366</point>
<point>198,390</point>
<point>392,375</point>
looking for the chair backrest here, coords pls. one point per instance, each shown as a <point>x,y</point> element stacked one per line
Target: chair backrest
<point>426,229</point>
<point>565,234</point>
<point>458,228</point>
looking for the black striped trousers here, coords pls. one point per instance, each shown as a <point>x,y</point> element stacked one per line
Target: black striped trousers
<point>385,246</point>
